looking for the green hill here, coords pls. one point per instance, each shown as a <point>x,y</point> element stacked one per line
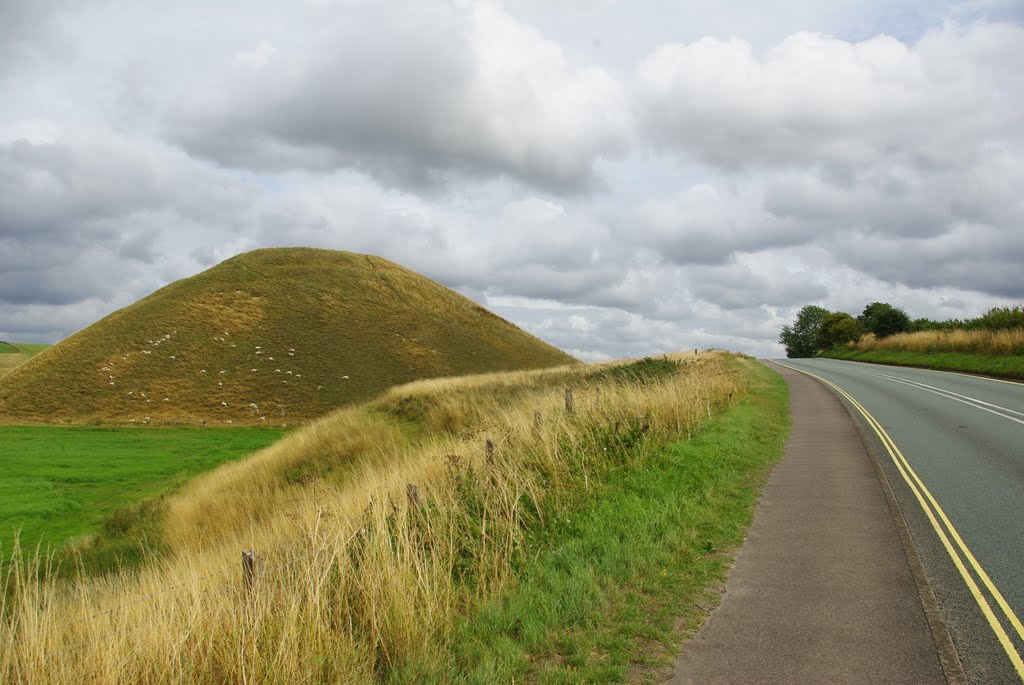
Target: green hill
<point>270,336</point>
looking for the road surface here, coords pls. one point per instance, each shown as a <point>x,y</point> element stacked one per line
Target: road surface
<point>952,449</point>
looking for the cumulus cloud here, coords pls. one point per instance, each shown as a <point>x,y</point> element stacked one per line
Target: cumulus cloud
<point>411,94</point>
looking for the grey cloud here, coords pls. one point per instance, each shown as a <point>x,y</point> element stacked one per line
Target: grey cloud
<point>410,94</point>
<point>81,212</point>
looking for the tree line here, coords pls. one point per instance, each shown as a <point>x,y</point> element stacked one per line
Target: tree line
<point>817,329</point>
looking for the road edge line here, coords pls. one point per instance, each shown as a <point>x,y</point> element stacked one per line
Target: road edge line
<point>949,658</point>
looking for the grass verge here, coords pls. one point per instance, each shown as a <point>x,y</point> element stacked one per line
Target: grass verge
<point>1003,366</point>
<point>630,570</point>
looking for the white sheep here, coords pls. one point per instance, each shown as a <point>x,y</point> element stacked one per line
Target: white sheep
<point>167,399</point>
<point>291,354</point>
<point>223,371</point>
<point>173,357</point>
<point>223,404</point>
<point>288,372</point>
<point>263,418</point>
<point>220,384</point>
<point>203,371</point>
<point>270,358</point>
<point>344,378</point>
<point>255,370</point>
<point>259,352</point>
<point>298,375</point>
<point>277,370</point>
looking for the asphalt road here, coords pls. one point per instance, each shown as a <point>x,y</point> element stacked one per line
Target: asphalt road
<point>952,448</point>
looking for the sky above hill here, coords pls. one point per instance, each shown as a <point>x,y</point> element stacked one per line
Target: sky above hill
<point>619,177</point>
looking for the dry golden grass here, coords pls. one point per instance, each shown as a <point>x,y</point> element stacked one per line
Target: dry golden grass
<point>361,571</point>
<point>998,342</point>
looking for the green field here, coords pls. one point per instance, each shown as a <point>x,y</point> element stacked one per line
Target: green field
<point>58,483</point>
<point>15,354</point>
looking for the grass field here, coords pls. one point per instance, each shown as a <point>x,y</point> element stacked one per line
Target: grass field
<point>58,483</point>
<point>15,354</point>
<point>397,547</point>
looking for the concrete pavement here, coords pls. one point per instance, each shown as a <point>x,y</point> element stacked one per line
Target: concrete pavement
<point>822,591</point>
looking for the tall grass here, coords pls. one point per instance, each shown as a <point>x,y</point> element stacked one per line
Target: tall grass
<point>377,526</point>
<point>993,342</point>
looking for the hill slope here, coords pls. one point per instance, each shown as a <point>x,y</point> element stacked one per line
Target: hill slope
<point>270,336</point>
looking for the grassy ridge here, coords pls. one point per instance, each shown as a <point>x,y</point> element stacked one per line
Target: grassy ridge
<point>628,569</point>
<point>272,336</point>
<point>1002,366</point>
<point>58,483</point>
<point>385,528</point>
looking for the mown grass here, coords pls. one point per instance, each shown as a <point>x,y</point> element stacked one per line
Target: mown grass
<point>59,483</point>
<point>387,536</point>
<point>1001,366</point>
<point>274,336</point>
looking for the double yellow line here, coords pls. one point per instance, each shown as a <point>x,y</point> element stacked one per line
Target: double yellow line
<point>945,531</point>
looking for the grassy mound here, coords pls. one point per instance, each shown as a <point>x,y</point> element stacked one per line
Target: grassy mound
<point>273,336</point>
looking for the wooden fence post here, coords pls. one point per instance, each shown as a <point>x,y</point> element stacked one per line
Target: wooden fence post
<point>412,493</point>
<point>489,451</point>
<point>251,567</point>
<point>569,407</point>
<point>537,421</point>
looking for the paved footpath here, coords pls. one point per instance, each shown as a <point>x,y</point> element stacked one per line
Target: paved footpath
<point>822,590</point>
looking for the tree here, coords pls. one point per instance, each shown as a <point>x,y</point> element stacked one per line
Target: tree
<point>800,339</point>
<point>838,329</point>
<point>884,320</point>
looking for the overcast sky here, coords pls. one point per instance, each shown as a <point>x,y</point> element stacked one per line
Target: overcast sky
<point>620,178</point>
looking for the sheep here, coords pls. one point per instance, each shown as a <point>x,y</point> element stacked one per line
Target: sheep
<point>259,352</point>
<point>285,382</point>
<point>167,399</point>
<point>223,404</point>
<point>291,354</point>
<point>263,418</point>
<point>233,345</point>
<point>173,357</point>
<point>277,370</point>
<point>255,370</point>
<point>271,358</point>
<point>131,392</point>
<point>223,371</point>
<point>220,384</point>
<point>344,378</point>
<point>288,372</point>
<point>298,375</point>
<point>111,382</point>
<point>203,371</point>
